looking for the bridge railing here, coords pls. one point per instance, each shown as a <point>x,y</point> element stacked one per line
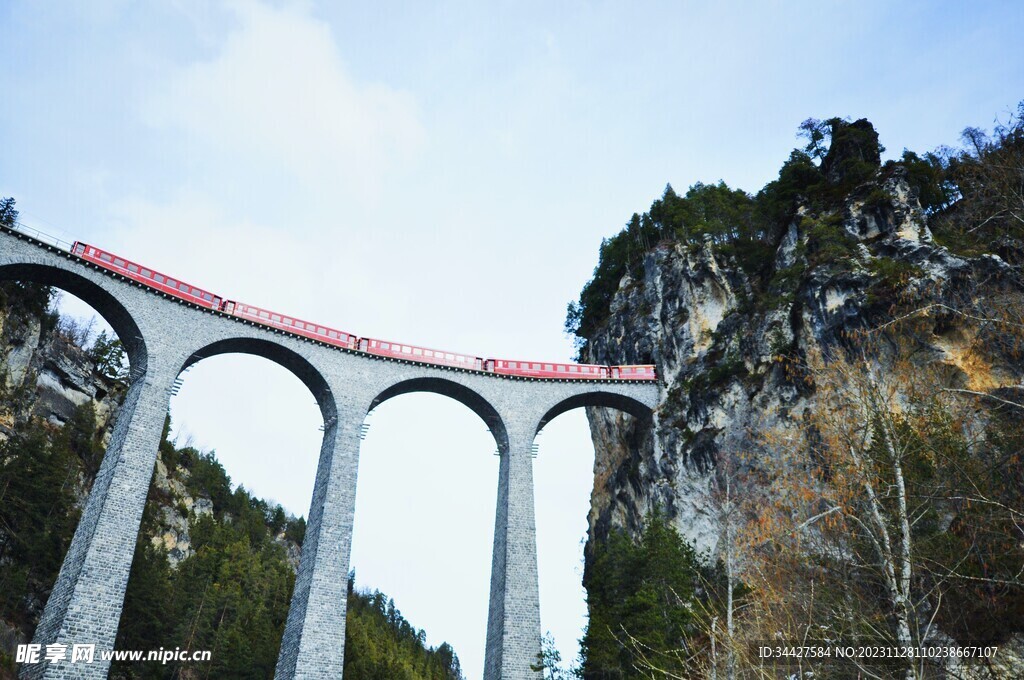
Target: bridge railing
<point>41,236</point>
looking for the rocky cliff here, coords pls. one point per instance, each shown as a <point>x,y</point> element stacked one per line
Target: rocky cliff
<point>45,374</point>
<point>718,336</point>
<point>744,302</point>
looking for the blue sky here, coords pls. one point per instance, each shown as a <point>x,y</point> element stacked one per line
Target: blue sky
<point>440,173</point>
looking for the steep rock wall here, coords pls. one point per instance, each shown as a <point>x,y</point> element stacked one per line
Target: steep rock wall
<point>716,336</point>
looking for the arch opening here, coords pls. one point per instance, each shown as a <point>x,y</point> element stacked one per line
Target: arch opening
<point>460,393</point>
<point>599,399</point>
<point>238,511</point>
<point>286,358</point>
<point>95,296</point>
<point>568,481</point>
<point>424,519</point>
<point>68,354</point>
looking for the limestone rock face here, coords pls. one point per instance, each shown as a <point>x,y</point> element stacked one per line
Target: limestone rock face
<point>694,314</point>
<point>46,375</point>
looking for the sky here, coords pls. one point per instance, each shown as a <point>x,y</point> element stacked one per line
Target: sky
<point>442,174</point>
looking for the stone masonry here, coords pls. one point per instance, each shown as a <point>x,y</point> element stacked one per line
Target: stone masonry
<point>163,336</point>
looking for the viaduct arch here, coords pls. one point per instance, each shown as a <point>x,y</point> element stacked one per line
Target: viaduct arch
<point>164,336</point>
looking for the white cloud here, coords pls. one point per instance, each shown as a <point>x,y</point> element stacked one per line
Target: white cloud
<point>278,94</point>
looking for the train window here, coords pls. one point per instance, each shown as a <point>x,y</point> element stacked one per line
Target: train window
<point>427,353</point>
<point>148,274</point>
<point>548,367</point>
<point>321,331</point>
<point>275,317</point>
<point>106,257</point>
<point>560,368</point>
<point>119,262</point>
<point>449,357</point>
<point>172,283</point>
<point>385,345</point>
<point>159,278</point>
<point>333,334</point>
<point>185,287</point>
<point>574,369</point>
<point>207,297</point>
<point>133,268</point>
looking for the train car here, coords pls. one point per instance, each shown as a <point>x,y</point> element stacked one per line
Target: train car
<point>396,350</point>
<point>307,329</point>
<point>547,369</point>
<point>634,372</point>
<point>399,350</point>
<point>146,276</point>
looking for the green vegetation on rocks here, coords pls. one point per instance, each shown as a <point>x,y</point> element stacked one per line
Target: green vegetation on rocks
<point>971,196</point>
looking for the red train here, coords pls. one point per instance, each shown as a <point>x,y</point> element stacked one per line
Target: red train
<point>332,336</point>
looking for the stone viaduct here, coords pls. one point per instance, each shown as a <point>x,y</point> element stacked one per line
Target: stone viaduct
<point>164,336</point>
